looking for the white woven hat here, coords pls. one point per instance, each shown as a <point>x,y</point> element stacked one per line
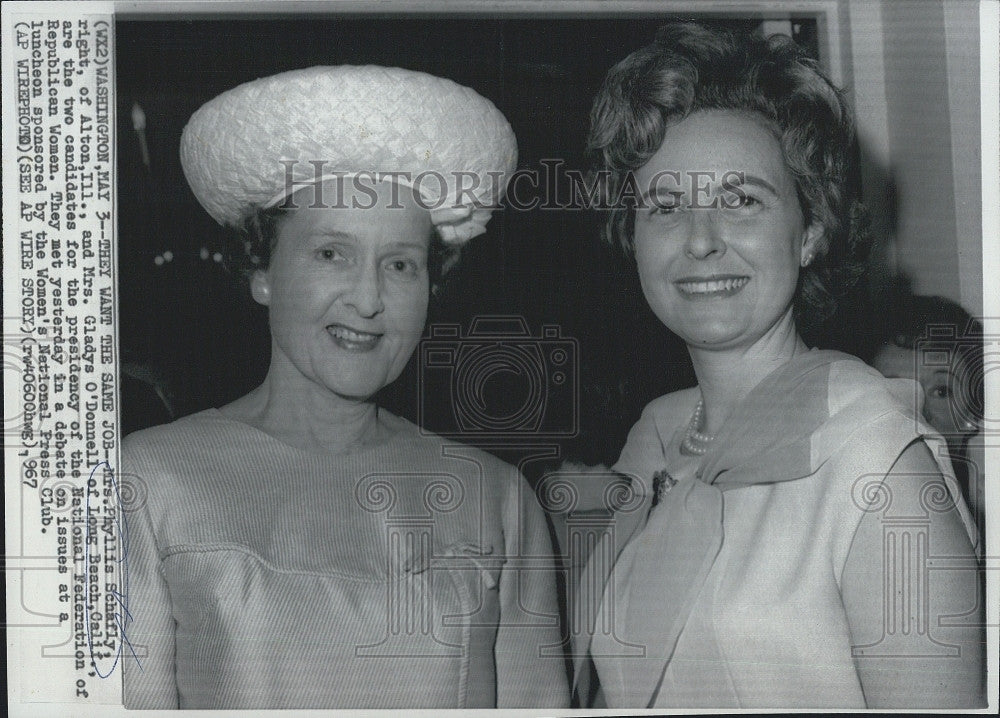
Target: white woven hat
<point>240,150</point>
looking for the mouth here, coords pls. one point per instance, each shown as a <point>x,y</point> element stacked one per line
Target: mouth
<point>352,339</point>
<point>715,286</point>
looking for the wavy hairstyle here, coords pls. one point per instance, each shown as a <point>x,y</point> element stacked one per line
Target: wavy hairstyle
<point>690,67</point>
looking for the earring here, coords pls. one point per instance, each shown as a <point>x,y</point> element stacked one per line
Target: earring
<point>807,259</point>
<point>260,290</point>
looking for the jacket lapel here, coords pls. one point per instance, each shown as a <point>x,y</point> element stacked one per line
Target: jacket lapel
<point>624,526</point>
<point>674,555</point>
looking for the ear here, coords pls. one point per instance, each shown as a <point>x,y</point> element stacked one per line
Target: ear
<point>813,243</point>
<point>260,287</point>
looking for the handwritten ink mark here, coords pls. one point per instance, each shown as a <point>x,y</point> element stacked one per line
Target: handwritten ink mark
<point>123,616</point>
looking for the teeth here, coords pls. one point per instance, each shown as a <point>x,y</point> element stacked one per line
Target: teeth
<point>715,285</point>
<point>351,336</point>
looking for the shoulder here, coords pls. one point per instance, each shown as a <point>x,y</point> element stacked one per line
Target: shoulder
<point>850,380</point>
<point>914,486</point>
<point>182,455</point>
<point>495,491</point>
<point>471,464</point>
<point>169,465</point>
<point>192,425</point>
<point>865,412</point>
<point>876,444</point>
<point>871,421</point>
<point>190,432</point>
<point>453,453</point>
<point>662,417</point>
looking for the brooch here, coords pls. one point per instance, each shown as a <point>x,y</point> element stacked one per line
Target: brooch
<point>662,483</point>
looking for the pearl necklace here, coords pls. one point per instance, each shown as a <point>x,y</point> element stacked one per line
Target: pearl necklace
<point>694,441</point>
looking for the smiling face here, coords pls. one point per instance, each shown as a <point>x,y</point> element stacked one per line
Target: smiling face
<point>721,238</point>
<point>347,291</point>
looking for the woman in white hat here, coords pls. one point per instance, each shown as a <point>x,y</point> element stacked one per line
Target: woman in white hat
<point>301,547</point>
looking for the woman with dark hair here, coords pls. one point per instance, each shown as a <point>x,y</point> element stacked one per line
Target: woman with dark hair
<point>936,343</point>
<point>301,547</point>
<point>755,566</point>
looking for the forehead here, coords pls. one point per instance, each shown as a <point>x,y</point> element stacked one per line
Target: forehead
<point>359,208</point>
<point>720,141</point>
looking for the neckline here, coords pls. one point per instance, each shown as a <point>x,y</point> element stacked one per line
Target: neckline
<point>405,432</point>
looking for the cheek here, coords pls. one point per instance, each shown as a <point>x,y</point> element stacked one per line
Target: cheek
<point>650,262</point>
<point>939,417</point>
<point>299,297</point>
<point>410,307</point>
<point>417,316</point>
<point>937,409</point>
<point>652,287</point>
<point>781,268</point>
<point>783,247</point>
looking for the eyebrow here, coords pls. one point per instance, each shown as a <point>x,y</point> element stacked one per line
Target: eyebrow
<point>660,192</point>
<point>752,180</point>
<point>759,182</point>
<point>341,234</point>
<point>334,234</point>
<point>408,245</point>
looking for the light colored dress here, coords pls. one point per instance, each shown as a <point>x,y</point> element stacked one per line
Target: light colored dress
<point>728,594</point>
<point>416,574</point>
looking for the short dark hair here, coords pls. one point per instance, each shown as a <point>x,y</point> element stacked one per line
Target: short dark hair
<point>253,245</point>
<point>939,325</point>
<point>690,67</point>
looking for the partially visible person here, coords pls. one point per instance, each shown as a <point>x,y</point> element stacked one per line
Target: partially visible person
<point>935,342</point>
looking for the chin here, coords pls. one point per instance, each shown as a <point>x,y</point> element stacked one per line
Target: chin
<point>360,377</point>
<point>711,339</point>
<point>709,344</point>
<point>354,388</point>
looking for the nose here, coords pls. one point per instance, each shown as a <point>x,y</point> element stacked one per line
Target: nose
<point>705,236</point>
<point>365,294</point>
